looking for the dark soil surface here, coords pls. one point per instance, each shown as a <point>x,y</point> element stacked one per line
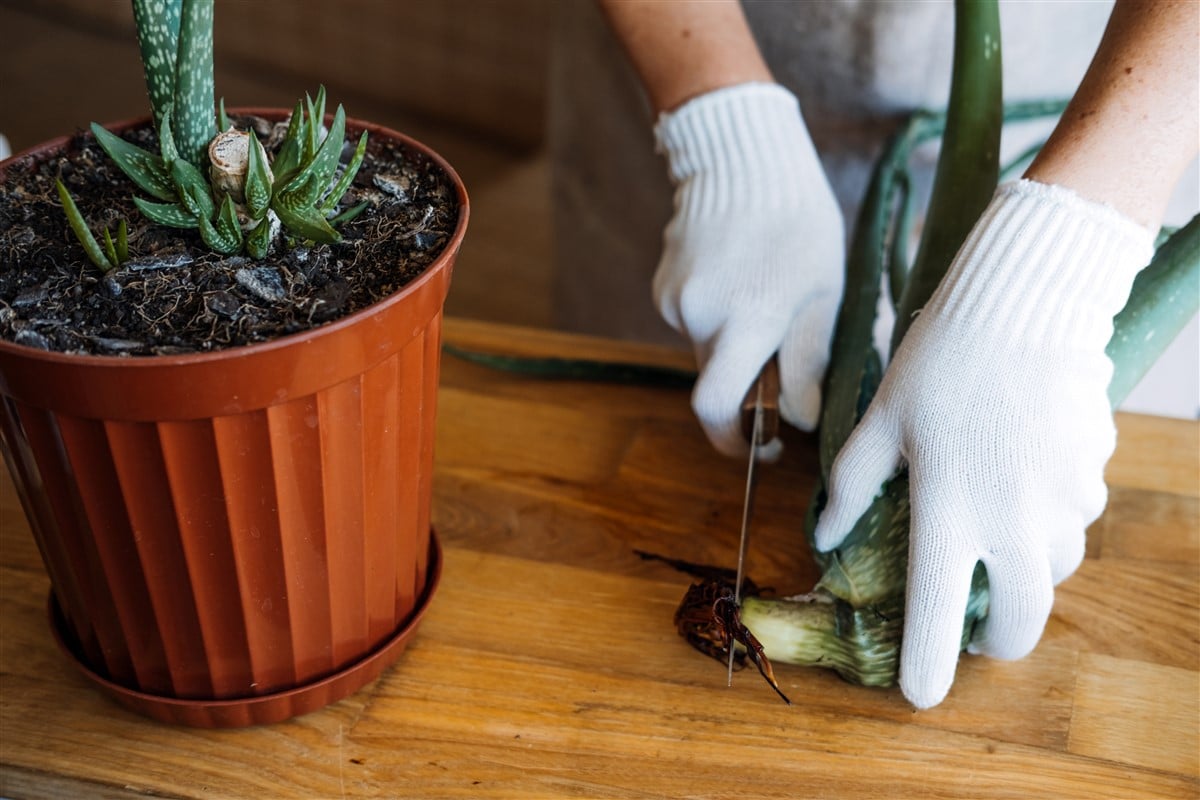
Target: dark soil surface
<point>176,296</point>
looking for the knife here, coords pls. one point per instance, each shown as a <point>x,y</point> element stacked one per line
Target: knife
<point>760,425</point>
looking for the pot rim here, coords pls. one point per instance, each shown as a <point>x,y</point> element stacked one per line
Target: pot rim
<point>120,362</point>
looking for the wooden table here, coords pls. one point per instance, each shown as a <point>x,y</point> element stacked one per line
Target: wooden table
<point>548,665</point>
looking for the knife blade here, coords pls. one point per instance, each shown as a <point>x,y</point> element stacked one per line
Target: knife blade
<point>760,425</point>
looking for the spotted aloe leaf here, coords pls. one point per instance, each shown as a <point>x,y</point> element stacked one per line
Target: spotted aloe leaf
<point>225,235</point>
<point>193,114</point>
<point>339,189</point>
<point>172,215</point>
<point>192,189</point>
<point>258,180</point>
<point>316,116</point>
<point>308,222</point>
<point>314,178</point>
<point>144,168</point>
<point>166,140</point>
<point>287,160</point>
<point>258,242</point>
<point>157,24</point>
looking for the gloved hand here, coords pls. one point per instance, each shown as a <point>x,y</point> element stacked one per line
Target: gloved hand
<point>997,399</point>
<point>753,257</point>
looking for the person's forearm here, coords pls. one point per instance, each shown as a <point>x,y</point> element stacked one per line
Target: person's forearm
<point>1132,127</point>
<point>684,48</point>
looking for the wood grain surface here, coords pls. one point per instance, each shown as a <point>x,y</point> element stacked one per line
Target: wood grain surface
<point>548,665</point>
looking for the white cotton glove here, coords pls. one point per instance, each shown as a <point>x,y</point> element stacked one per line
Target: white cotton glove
<point>997,399</point>
<point>753,257</point>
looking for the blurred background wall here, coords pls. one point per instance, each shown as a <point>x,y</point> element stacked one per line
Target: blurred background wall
<point>478,80</point>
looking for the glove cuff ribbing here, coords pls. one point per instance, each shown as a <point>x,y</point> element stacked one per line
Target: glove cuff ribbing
<point>1046,262</point>
<point>743,145</point>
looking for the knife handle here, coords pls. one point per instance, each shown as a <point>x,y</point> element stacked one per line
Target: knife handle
<point>768,378</point>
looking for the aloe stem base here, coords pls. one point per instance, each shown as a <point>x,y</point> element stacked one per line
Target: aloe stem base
<point>819,630</point>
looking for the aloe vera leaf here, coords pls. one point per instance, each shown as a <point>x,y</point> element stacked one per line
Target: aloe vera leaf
<point>308,222</point>
<point>194,122</point>
<point>287,160</point>
<point>316,118</point>
<point>339,189</point>
<point>897,255</point>
<point>969,164</point>
<point>166,140</point>
<point>225,236</point>
<point>853,340</point>
<point>172,215</point>
<point>223,123</point>
<point>75,219</point>
<point>258,180</point>
<point>192,189</point>
<point>148,171</point>
<point>157,24</point>
<point>307,187</point>
<point>258,242</point>
<point>1164,298</point>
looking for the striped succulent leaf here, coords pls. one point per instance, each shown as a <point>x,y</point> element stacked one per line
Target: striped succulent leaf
<point>144,168</point>
<point>339,189</point>
<point>258,180</point>
<point>193,114</point>
<point>315,177</point>
<point>223,236</point>
<point>157,24</point>
<point>173,215</point>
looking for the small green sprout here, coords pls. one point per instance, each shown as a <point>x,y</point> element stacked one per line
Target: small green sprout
<point>106,258</point>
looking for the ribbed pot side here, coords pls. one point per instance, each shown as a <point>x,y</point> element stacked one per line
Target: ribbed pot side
<point>223,530</point>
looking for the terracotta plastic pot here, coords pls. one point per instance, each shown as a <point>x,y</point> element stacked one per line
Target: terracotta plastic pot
<point>237,537</point>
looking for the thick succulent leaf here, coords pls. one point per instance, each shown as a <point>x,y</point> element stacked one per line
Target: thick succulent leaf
<point>339,189</point>
<point>316,117</point>
<point>79,226</point>
<point>313,180</point>
<point>192,116</point>
<point>193,190</point>
<point>225,237</point>
<point>968,167</point>
<point>258,180</point>
<point>1164,298</point>
<point>287,160</point>
<point>157,24</point>
<point>166,140</point>
<point>144,168</point>
<point>170,214</point>
<point>307,222</point>
<point>223,123</point>
<point>258,242</point>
